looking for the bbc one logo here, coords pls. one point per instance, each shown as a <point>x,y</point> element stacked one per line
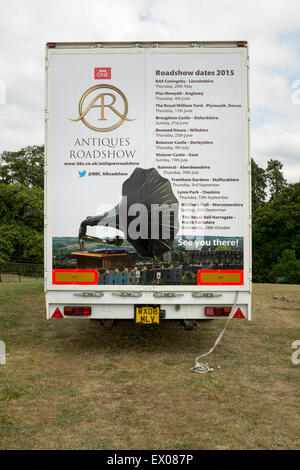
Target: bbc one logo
<point>104,103</point>
<point>102,73</point>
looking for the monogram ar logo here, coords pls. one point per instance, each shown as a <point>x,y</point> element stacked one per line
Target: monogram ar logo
<point>103,101</point>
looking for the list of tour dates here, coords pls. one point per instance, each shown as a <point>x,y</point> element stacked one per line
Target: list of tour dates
<point>185,136</point>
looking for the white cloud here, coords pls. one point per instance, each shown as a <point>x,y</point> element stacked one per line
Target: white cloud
<point>278,140</point>
<point>270,26</point>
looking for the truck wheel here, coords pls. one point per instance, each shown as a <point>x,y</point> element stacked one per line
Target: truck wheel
<point>189,324</point>
<point>108,324</point>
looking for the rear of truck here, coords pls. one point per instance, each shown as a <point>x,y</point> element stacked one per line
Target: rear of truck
<point>147,182</point>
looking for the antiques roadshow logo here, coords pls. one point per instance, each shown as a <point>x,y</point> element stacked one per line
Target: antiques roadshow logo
<point>105,100</point>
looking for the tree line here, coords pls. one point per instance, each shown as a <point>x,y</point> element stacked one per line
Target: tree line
<point>275,225</point>
<point>275,215</point>
<point>21,205</point>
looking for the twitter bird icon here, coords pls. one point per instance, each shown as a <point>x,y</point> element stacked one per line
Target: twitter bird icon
<point>81,173</point>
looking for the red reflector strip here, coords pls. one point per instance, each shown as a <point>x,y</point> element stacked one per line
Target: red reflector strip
<point>74,276</point>
<point>220,277</point>
<point>77,311</point>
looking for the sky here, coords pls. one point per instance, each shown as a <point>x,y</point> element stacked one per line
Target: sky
<point>272,28</point>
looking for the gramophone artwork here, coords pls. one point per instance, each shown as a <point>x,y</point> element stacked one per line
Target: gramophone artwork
<point>151,249</point>
<point>147,215</point>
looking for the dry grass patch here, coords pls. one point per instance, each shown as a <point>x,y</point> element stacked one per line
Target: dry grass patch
<point>71,385</point>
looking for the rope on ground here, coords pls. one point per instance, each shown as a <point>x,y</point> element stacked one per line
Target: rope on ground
<point>204,367</point>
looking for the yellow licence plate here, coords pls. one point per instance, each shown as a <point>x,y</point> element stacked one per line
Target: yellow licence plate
<point>147,314</point>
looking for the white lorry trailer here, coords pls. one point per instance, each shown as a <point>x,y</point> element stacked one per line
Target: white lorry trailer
<point>147,181</point>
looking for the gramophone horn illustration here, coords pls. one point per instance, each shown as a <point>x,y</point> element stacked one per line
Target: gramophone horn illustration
<point>150,195</point>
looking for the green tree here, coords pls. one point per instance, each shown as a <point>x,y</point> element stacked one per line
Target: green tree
<point>275,178</point>
<point>275,228</point>
<point>259,186</point>
<point>287,268</point>
<point>25,166</point>
<point>21,226</point>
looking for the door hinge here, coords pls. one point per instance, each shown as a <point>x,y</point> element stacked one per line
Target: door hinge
<point>128,294</point>
<point>167,294</point>
<point>206,294</point>
<point>89,294</point>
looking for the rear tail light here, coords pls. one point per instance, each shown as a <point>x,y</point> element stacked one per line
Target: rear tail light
<point>217,311</point>
<point>209,311</point>
<point>77,311</point>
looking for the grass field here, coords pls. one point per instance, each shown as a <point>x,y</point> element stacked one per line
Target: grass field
<point>68,384</point>
<point>16,278</point>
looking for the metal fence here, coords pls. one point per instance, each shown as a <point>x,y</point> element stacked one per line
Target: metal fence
<point>21,272</point>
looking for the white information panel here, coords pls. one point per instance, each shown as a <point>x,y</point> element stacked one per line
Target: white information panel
<point>147,167</point>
